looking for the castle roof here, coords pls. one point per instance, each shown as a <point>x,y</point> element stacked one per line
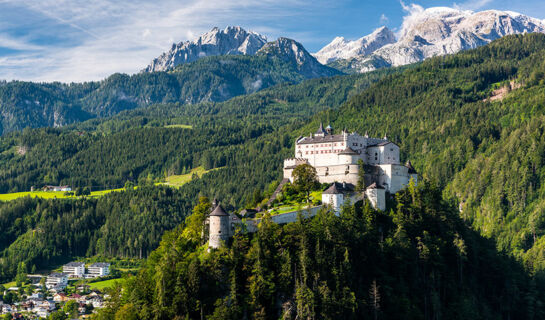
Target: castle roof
<point>218,211</point>
<point>321,129</point>
<point>380,144</point>
<point>326,138</point>
<point>374,185</point>
<point>338,188</point>
<point>409,165</point>
<point>349,150</point>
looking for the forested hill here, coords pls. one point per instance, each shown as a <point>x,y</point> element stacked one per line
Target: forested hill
<point>27,104</point>
<point>472,123</point>
<point>145,143</point>
<point>418,261</point>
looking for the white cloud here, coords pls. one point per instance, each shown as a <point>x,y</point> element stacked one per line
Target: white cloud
<point>124,36</point>
<point>383,19</point>
<point>413,14</point>
<point>472,4</point>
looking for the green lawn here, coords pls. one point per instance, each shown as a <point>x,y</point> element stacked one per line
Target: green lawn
<point>49,194</point>
<point>179,180</point>
<point>104,284</point>
<point>183,126</point>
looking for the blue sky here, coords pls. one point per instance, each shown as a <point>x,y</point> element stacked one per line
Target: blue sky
<point>82,40</point>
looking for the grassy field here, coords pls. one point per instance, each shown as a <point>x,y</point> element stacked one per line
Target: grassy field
<point>9,284</point>
<point>179,180</point>
<point>183,126</point>
<point>49,194</point>
<point>104,284</point>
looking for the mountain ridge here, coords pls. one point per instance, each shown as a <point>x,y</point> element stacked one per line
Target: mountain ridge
<point>233,40</point>
<point>438,31</point>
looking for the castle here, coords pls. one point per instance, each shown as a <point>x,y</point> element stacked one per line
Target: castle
<point>338,159</point>
<point>335,158</point>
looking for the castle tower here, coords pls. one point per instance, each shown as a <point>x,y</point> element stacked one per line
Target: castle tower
<point>377,196</point>
<point>219,227</point>
<point>320,132</point>
<point>334,197</point>
<point>329,129</point>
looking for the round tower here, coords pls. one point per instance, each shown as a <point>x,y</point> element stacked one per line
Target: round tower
<point>333,196</point>
<point>219,227</point>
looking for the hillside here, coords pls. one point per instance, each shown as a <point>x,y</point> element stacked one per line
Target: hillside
<point>419,261</point>
<point>27,104</point>
<point>488,154</point>
<point>138,144</point>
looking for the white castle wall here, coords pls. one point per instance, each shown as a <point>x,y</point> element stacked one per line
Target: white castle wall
<point>334,200</point>
<point>377,197</point>
<point>288,217</point>
<point>387,154</point>
<point>395,177</point>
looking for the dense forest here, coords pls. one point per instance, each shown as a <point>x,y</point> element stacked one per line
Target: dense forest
<point>417,261</point>
<point>42,233</point>
<point>142,143</point>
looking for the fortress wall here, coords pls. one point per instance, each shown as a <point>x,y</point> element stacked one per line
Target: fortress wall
<point>251,225</point>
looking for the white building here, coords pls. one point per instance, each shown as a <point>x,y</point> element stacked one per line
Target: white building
<point>336,158</point>
<point>74,269</point>
<point>99,269</point>
<point>56,280</point>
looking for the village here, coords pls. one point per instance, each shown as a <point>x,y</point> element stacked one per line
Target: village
<point>69,291</point>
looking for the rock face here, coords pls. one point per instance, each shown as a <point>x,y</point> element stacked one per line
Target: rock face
<point>340,48</point>
<point>439,31</point>
<point>230,41</point>
<point>293,52</point>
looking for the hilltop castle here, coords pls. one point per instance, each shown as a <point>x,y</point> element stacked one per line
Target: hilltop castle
<point>338,159</point>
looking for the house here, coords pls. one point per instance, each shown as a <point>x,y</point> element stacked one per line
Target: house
<point>35,279</point>
<point>74,269</point>
<point>41,312</point>
<point>99,269</point>
<point>57,188</point>
<point>60,297</point>
<point>56,281</point>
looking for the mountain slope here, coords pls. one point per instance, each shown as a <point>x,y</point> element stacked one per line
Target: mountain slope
<point>487,153</point>
<point>215,79</point>
<point>340,48</point>
<point>294,53</point>
<point>216,42</point>
<point>417,261</point>
<point>439,31</point>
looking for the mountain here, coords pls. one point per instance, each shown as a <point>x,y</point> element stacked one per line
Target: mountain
<point>340,48</point>
<point>439,31</point>
<point>216,42</point>
<point>294,53</point>
<point>212,79</point>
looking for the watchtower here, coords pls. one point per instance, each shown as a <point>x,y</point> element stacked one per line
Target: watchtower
<point>219,227</point>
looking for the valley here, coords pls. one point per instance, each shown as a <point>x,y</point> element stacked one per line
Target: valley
<point>150,157</point>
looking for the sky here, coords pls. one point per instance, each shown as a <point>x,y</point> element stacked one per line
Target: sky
<point>85,40</point>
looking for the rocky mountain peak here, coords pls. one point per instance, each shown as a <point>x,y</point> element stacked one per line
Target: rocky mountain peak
<point>232,40</point>
<point>431,32</point>
<point>340,48</point>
